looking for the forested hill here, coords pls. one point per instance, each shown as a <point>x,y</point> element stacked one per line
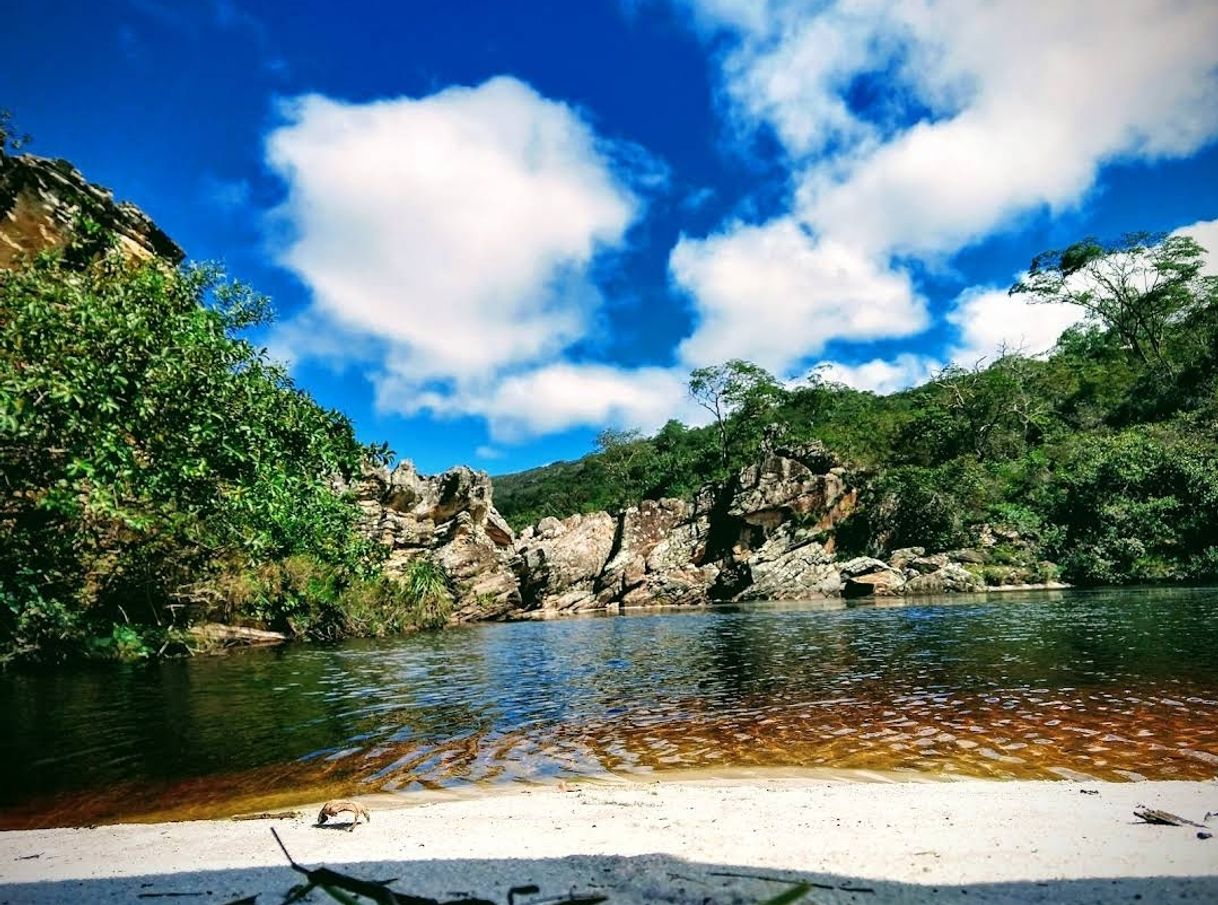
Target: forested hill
<point>1103,455</point>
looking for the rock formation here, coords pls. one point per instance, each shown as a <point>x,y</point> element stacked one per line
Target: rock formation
<point>452,518</point>
<point>768,536</point>
<point>42,199</point>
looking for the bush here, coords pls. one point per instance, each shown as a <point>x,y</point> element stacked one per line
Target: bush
<point>149,450</point>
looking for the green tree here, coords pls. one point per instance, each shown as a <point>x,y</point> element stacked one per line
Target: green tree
<point>1139,286</point>
<point>628,460</point>
<point>145,446</point>
<point>742,398</point>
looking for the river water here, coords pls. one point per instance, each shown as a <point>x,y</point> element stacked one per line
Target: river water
<point>1100,684</point>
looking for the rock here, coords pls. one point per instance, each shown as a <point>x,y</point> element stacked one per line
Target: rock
<point>951,578</point>
<point>778,489</point>
<point>684,545</point>
<point>868,577</point>
<point>688,586</point>
<point>41,200</point>
<point>862,565</point>
<point>641,528</point>
<point>784,571</point>
<point>559,567</point>
<point>924,564</point>
<point>900,559</point>
<point>450,517</point>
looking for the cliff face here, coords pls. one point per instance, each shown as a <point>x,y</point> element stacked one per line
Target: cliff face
<point>450,517</point>
<point>41,200</point>
<point>768,536</point>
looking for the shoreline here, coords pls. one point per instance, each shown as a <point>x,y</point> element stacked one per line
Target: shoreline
<point>918,838</point>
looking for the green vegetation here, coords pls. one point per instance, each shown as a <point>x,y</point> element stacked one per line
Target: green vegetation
<point>156,470</point>
<point>1101,457</point>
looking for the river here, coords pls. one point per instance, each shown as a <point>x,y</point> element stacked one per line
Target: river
<point>1110,684</point>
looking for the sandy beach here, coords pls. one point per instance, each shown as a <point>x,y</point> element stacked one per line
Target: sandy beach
<point>691,840</point>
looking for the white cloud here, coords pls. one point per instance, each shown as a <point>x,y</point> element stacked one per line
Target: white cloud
<point>446,241</point>
<point>989,320</point>
<point>563,395</point>
<point>1205,233</point>
<point>983,113</point>
<point>881,376</point>
<point>774,295</point>
<point>456,227</point>
<point>1047,92</point>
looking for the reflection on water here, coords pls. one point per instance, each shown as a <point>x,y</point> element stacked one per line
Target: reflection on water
<point>1112,685</point>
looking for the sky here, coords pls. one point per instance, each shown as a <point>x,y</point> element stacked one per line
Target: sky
<point>491,230</point>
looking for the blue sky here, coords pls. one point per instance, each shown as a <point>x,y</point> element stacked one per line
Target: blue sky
<point>492,229</point>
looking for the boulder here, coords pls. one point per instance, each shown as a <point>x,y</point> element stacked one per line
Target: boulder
<point>901,559</point>
<point>778,489</point>
<point>450,517</point>
<point>559,566</point>
<point>796,573</point>
<point>865,576</point>
<point>950,579</point>
<point>925,564</point>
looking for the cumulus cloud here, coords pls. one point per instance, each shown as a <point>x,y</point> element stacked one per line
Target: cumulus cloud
<point>1040,96</point>
<point>456,227</point>
<point>976,114</point>
<point>989,320</point>
<point>1205,233</point>
<point>446,242</point>
<point>564,395</point>
<point>774,295</point>
<point>880,376</point>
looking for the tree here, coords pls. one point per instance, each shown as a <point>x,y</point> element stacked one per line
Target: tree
<point>742,398</point>
<point>1139,286</point>
<point>145,446</point>
<point>627,457</point>
<point>989,412</point>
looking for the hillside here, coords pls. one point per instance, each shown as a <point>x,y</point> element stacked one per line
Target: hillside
<point>1101,457</point>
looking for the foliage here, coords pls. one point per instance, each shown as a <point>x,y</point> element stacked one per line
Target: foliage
<point>10,138</point>
<point>1141,505</point>
<point>155,463</point>
<point>1138,287</point>
<point>742,398</point>
<point>1100,456</point>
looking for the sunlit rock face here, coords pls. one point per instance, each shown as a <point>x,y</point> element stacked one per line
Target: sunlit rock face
<point>769,535</point>
<point>765,536</point>
<point>42,200</point>
<point>450,517</point>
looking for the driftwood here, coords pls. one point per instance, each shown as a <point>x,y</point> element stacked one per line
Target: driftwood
<point>1163,818</point>
<point>269,815</point>
<point>228,635</point>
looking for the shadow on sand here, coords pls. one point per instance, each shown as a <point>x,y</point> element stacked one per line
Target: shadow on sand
<point>643,878</point>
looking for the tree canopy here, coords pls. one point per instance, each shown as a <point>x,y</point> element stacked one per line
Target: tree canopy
<point>1100,456</point>
<point>156,465</point>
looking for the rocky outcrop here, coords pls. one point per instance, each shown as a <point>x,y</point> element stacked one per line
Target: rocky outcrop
<point>765,536</point>
<point>559,563</point>
<point>452,518</point>
<point>41,201</point>
<point>769,535</point>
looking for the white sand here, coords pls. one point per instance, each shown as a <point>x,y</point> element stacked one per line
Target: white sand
<point>964,841</point>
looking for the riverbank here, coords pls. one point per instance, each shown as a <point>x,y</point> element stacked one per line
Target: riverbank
<point>688,840</point>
